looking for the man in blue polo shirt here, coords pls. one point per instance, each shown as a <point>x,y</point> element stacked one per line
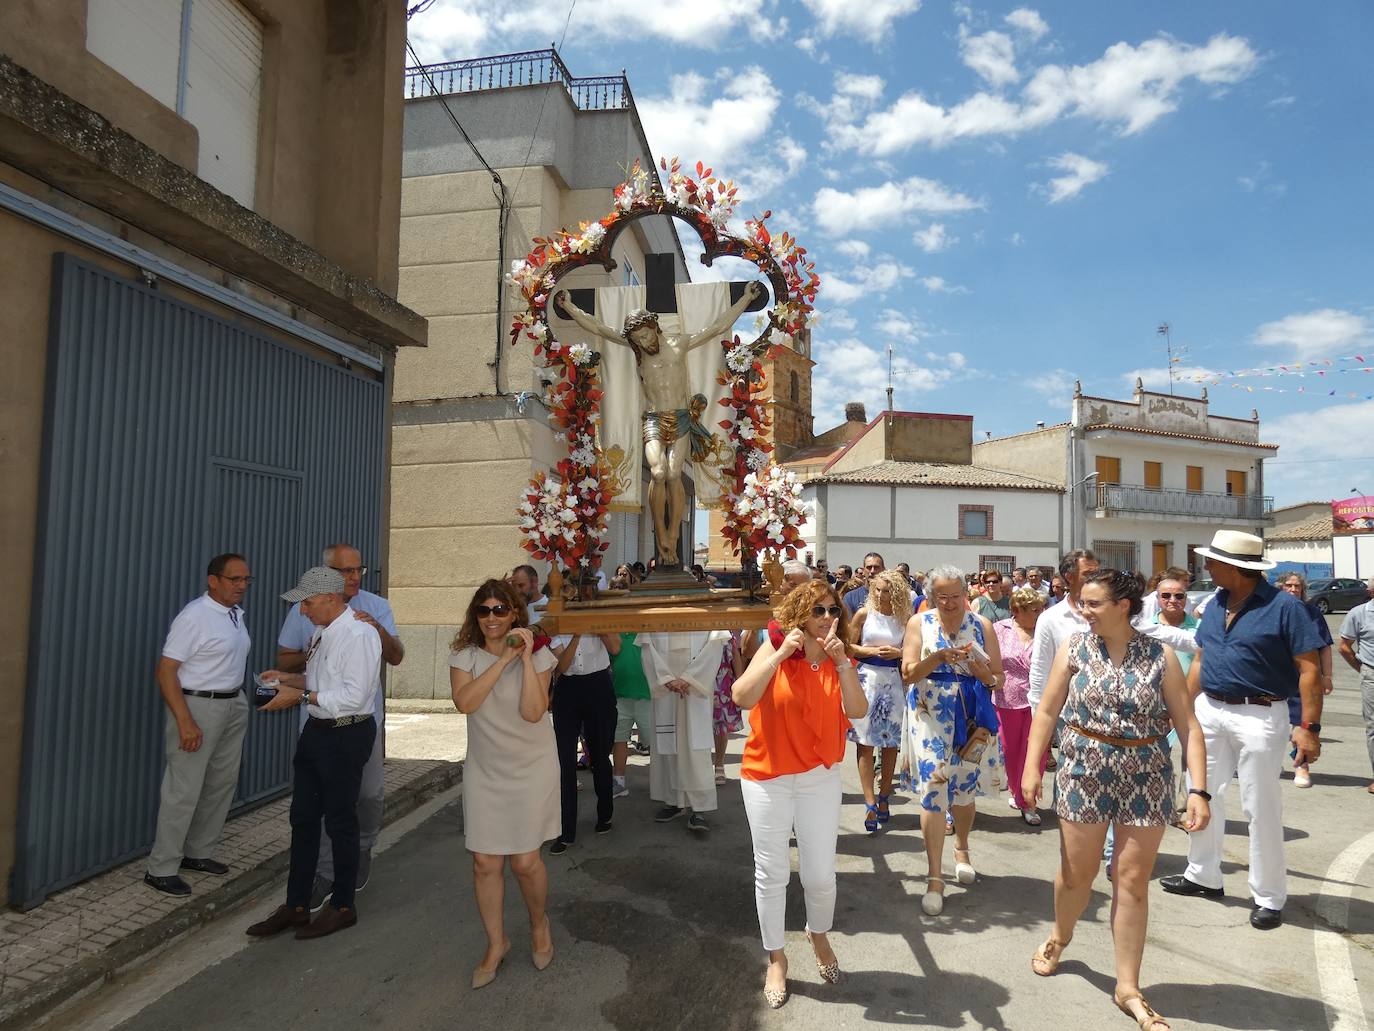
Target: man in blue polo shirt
<point>1257,648</point>
<point>873,565</point>
<point>293,643</point>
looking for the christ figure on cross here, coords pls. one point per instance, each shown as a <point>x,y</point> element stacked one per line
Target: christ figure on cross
<point>671,413</point>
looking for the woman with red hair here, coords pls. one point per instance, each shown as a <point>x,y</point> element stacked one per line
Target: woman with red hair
<point>802,690</point>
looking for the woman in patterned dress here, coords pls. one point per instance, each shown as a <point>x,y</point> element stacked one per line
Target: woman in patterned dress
<point>725,714</point>
<point>876,633</point>
<point>952,725</point>
<point>1118,691</point>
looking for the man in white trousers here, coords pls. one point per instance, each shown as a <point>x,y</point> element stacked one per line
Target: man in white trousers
<point>681,670</point>
<point>1257,647</point>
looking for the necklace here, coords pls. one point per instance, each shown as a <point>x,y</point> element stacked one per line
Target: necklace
<point>815,667</point>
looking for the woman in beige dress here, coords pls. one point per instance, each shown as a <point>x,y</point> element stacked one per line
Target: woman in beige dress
<point>500,682</point>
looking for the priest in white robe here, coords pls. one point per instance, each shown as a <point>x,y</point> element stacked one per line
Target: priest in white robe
<point>681,670</point>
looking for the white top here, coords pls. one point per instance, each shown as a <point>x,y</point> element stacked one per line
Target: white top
<point>297,631</point>
<point>344,668</point>
<point>1055,626</point>
<point>591,655</point>
<point>211,643</point>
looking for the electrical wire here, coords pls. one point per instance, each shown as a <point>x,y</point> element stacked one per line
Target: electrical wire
<point>498,190</point>
<point>543,100</point>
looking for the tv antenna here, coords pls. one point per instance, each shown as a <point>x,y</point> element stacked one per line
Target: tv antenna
<point>1175,357</point>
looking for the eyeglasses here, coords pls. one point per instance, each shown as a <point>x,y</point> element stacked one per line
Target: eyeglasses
<point>499,609</point>
<point>820,610</point>
<point>993,580</point>
<point>350,570</point>
<point>1170,596</point>
<point>245,580</point>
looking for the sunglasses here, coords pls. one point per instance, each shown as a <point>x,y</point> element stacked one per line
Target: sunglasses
<point>493,610</point>
<point>820,610</point>
<point>1169,596</point>
<point>996,581</point>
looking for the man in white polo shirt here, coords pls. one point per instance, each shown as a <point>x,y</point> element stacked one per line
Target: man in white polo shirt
<point>292,642</point>
<point>200,675</point>
<point>339,690</point>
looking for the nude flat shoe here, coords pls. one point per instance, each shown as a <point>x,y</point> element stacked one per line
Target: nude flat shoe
<point>543,959</point>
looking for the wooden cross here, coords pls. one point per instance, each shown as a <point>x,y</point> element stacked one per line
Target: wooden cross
<point>659,293</point>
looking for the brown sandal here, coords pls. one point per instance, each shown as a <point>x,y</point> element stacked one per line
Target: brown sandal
<point>1046,959</point>
<point>1148,1020</point>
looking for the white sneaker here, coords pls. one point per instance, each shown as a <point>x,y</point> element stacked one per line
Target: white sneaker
<point>1302,778</point>
<point>619,789</point>
<point>1011,802</point>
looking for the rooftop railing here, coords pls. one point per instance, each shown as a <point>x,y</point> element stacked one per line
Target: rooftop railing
<point>530,68</point>
<point>1117,497</point>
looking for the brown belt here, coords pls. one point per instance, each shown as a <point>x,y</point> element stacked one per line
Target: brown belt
<point>1119,742</point>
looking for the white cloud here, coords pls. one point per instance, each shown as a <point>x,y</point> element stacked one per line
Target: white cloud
<point>1129,87</point>
<point>1323,452</point>
<point>837,319</point>
<point>1078,173</point>
<point>899,326</point>
<point>1016,239</point>
<point>1262,180</point>
<point>848,369</point>
<point>455,29</point>
<point>870,20</point>
<point>1028,21</point>
<point>934,238</point>
<point>717,121</point>
<point>1158,378</point>
<point>1324,333</point>
<point>870,207</point>
<point>1054,387</point>
<point>937,285</point>
<point>856,249</point>
<point>862,282</point>
<point>991,55</point>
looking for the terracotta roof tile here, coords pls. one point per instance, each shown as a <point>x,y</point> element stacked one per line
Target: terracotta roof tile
<point>1180,436</point>
<point>1317,528</point>
<point>936,474</point>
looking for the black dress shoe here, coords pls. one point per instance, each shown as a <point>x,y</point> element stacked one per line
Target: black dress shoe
<point>204,866</point>
<point>1180,885</point>
<point>1266,919</point>
<point>173,885</point>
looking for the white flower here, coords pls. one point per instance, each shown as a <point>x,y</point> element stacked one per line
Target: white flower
<point>580,354</point>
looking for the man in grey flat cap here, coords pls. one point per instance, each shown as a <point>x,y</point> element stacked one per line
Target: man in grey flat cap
<point>339,690</point>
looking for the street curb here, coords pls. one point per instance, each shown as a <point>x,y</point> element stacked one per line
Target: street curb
<point>88,974</point>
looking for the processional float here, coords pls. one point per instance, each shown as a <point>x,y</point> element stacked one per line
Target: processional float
<point>564,513</point>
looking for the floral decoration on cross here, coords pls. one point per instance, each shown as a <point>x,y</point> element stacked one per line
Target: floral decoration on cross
<point>707,203</point>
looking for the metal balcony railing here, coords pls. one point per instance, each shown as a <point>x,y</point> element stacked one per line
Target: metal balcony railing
<point>530,68</point>
<point>1123,498</point>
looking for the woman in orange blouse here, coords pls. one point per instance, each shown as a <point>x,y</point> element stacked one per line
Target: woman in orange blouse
<point>802,690</point>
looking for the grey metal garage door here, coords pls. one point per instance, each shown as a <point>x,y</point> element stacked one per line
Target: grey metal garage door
<point>171,435</point>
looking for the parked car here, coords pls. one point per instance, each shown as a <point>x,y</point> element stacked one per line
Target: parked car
<point>1336,594</point>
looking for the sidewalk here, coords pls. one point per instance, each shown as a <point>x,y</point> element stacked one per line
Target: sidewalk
<point>91,932</point>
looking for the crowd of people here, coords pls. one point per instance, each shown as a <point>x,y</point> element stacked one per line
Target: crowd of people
<point>949,685</point>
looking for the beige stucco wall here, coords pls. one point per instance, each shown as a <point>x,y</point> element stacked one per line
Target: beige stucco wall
<point>919,437</point>
<point>330,126</point>
<point>1042,454</point>
<point>462,454</point>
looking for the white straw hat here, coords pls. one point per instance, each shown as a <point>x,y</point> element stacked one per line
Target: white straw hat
<point>1237,549</point>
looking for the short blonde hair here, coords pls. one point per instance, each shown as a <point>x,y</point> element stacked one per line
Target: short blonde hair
<point>1027,598</point>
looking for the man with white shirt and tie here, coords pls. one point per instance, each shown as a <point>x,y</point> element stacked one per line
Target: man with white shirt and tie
<point>339,689</point>
<point>200,675</point>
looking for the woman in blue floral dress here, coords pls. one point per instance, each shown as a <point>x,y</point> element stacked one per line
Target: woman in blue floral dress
<point>951,721</point>
<point>876,633</point>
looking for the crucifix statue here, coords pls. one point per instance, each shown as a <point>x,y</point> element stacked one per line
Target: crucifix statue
<point>671,413</point>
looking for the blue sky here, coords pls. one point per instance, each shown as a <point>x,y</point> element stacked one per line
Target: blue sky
<point>1016,196</point>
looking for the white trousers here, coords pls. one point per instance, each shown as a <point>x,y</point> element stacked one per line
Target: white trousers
<point>807,804</point>
<point>1250,742</point>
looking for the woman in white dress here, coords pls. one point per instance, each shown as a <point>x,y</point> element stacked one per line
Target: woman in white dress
<point>876,633</point>
<point>500,681</point>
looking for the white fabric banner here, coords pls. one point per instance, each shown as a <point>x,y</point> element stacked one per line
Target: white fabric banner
<point>699,305</point>
<point>622,402</point>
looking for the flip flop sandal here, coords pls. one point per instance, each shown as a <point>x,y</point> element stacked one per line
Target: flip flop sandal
<point>1031,817</point>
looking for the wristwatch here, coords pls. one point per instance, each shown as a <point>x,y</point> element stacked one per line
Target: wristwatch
<point>1311,725</point>
<point>1200,794</point>
<point>305,697</point>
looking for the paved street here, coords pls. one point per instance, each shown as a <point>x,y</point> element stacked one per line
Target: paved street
<point>655,928</point>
